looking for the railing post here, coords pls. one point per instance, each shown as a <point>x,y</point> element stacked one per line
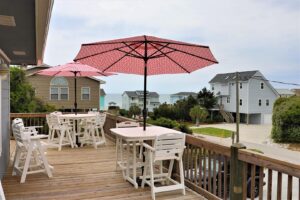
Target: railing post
<point>236,173</point>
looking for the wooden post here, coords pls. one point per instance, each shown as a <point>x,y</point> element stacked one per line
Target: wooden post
<point>237,117</point>
<point>236,173</point>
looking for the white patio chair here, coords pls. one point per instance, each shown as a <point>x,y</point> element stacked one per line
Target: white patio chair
<point>166,147</point>
<point>62,129</point>
<point>30,155</point>
<point>93,130</point>
<point>2,196</point>
<point>120,145</point>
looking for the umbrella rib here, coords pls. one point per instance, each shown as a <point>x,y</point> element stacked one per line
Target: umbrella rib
<point>141,56</point>
<point>129,54</point>
<point>161,55</point>
<point>95,54</point>
<point>170,58</point>
<point>121,58</point>
<point>158,50</point>
<point>189,53</point>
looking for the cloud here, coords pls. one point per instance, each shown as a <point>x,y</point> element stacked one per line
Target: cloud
<point>243,35</point>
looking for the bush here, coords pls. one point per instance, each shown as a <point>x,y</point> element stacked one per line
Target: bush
<point>123,113</point>
<point>184,128</point>
<point>286,120</point>
<point>164,122</point>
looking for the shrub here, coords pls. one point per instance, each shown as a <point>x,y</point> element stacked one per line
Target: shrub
<point>286,120</point>
<point>184,128</point>
<point>164,122</point>
<point>123,112</point>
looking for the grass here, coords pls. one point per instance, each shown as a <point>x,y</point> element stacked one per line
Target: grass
<point>217,132</point>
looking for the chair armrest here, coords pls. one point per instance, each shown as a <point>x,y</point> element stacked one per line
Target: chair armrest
<point>33,127</point>
<point>147,146</point>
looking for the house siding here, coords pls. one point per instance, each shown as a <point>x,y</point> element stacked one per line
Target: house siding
<point>41,84</point>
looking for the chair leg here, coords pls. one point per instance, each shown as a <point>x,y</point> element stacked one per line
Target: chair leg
<point>145,173</point>
<point>70,138</point>
<point>2,197</point>
<point>62,135</point>
<point>16,160</point>
<point>103,135</point>
<point>181,175</point>
<point>151,176</point>
<point>117,152</point>
<point>44,159</point>
<point>26,165</point>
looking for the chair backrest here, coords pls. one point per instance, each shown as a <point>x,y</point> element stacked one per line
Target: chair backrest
<point>127,124</point>
<point>18,128</point>
<point>169,146</point>
<point>17,121</point>
<point>53,120</point>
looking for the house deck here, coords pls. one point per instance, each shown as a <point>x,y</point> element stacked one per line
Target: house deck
<point>82,173</point>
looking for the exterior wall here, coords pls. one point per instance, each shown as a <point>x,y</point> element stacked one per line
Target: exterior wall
<point>41,84</point>
<point>102,102</point>
<point>256,93</point>
<point>127,102</point>
<point>5,124</point>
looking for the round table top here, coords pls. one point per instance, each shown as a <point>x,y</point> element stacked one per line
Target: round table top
<point>75,116</point>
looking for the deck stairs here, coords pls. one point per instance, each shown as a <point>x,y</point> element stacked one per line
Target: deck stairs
<point>228,117</point>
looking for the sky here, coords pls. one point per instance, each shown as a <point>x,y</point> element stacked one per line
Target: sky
<point>243,35</point>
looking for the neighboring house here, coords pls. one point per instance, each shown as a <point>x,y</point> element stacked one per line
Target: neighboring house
<point>23,33</point>
<point>296,91</point>
<point>130,98</point>
<point>285,92</point>
<point>256,96</point>
<point>181,95</point>
<point>102,99</point>
<point>59,91</point>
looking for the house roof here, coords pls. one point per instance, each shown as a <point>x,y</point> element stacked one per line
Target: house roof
<point>23,29</point>
<point>285,92</point>
<point>184,94</point>
<point>229,77</point>
<point>45,66</point>
<point>102,92</point>
<point>140,93</point>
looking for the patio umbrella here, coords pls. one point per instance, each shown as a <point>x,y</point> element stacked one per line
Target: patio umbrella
<point>75,70</point>
<point>145,55</point>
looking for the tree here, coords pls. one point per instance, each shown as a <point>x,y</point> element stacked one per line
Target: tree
<point>206,99</point>
<point>164,110</point>
<point>182,108</point>
<point>22,97</point>
<point>198,113</point>
<point>134,110</point>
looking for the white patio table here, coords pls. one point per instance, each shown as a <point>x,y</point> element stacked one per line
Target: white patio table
<point>76,118</point>
<point>134,135</point>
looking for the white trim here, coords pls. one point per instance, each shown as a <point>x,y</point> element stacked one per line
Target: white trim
<point>0,116</point>
<point>89,94</point>
<point>3,55</point>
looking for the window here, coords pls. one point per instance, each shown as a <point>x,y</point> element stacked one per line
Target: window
<point>64,93</point>
<point>259,102</point>
<point>228,99</point>
<point>241,85</point>
<point>54,93</point>
<point>85,93</point>
<point>262,85</point>
<point>232,84</point>
<point>59,89</point>
<point>212,87</point>
<point>267,102</point>
<point>241,102</point>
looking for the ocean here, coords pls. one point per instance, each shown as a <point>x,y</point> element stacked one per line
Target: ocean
<point>117,98</point>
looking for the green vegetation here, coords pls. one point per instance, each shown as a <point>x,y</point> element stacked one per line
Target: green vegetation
<point>168,123</point>
<point>22,97</point>
<point>206,98</point>
<point>134,111</point>
<point>198,113</point>
<point>217,132</point>
<point>286,120</point>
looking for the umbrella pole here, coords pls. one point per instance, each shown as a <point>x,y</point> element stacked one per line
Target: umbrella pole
<point>75,86</point>
<point>145,96</point>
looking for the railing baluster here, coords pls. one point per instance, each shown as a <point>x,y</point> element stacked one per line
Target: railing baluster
<point>279,185</point>
<point>245,171</point>
<point>261,182</point>
<point>219,176</point>
<point>290,188</point>
<point>204,169</point>
<point>215,174</point>
<point>252,181</point>
<point>209,170</point>
<point>269,194</point>
<point>196,165</point>
<point>188,162</point>
<point>225,177</point>
<point>200,168</point>
<point>191,164</point>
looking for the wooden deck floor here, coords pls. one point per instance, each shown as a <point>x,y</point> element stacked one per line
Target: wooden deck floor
<point>83,173</point>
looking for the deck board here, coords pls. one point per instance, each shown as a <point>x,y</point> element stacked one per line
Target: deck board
<point>82,173</point>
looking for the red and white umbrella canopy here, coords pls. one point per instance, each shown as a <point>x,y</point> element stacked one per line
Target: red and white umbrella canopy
<point>69,70</point>
<point>128,55</point>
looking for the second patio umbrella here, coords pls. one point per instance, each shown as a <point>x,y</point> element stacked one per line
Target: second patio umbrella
<point>75,70</point>
<point>145,55</point>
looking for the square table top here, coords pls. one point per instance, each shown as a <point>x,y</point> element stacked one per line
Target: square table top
<point>137,133</point>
